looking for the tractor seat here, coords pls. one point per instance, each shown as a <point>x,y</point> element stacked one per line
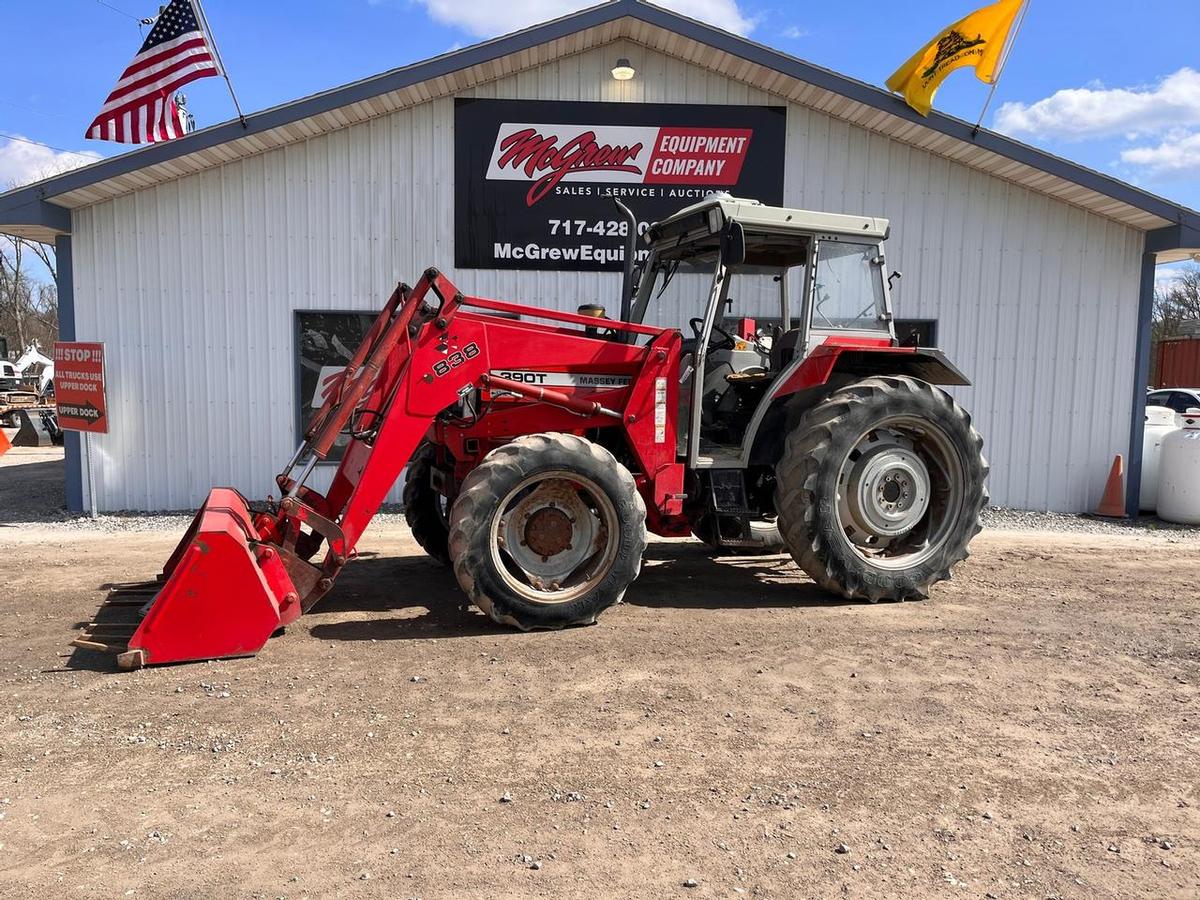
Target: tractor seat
<point>753,377</point>
<point>783,350</point>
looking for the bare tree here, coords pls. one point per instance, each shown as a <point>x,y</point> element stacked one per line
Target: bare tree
<point>28,307</point>
<point>1175,305</point>
<point>44,253</point>
<point>28,304</point>
<point>1178,303</point>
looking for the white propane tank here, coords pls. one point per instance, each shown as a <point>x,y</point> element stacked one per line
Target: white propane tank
<point>1160,422</point>
<point>1179,473</point>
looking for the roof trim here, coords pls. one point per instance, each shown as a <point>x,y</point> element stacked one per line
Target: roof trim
<point>605,13</point>
<point>27,215</point>
<point>1174,243</point>
<point>355,92</point>
<point>885,101</point>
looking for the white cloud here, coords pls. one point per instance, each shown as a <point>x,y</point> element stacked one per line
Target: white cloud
<point>493,17</point>
<point>1097,111</point>
<point>21,162</point>
<point>794,32</point>
<point>1177,154</point>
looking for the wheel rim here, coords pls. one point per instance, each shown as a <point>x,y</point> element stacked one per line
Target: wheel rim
<point>555,537</point>
<point>900,489</point>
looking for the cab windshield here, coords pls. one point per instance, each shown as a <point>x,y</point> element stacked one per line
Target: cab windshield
<point>676,288</point>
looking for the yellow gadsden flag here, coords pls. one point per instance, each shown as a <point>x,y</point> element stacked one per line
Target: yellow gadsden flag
<point>978,40</point>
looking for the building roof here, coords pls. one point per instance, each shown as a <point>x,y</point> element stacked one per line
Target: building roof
<point>40,211</point>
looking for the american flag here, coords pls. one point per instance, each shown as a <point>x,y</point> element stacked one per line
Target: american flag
<point>141,108</point>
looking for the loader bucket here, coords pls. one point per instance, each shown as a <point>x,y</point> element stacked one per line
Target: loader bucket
<point>222,593</point>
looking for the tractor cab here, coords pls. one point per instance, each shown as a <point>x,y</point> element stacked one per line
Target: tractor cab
<point>760,288</point>
<point>784,307</point>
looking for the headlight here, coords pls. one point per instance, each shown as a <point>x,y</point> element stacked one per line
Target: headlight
<point>716,220</point>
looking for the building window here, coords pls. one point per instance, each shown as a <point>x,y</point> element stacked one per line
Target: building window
<point>325,341</point>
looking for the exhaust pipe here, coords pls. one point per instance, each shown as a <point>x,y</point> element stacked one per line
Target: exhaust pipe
<point>630,252</point>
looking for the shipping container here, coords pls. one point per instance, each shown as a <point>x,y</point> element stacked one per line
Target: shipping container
<point>1178,363</point>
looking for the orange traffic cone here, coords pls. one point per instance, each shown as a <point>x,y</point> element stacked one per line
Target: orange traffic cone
<point>4,443</point>
<point>1112,504</point>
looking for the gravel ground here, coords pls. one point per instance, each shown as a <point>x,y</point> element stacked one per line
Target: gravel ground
<point>730,730</point>
<point>31,492</point>
<point>998,519</point>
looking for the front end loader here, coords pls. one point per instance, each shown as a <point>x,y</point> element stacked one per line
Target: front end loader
<point>541,446</point>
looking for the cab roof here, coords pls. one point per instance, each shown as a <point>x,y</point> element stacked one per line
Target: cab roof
<point>756,216</point>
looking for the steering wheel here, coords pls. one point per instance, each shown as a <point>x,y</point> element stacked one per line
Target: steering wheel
<point>698,328</point>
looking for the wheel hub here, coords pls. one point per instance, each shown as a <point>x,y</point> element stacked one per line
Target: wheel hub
<point>548,531</point>
<point>886,493</point>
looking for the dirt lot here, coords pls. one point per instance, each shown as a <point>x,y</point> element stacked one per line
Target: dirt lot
<point>1032,731</point>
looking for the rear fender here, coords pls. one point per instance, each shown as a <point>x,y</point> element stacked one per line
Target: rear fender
<point>828,367</point>
<point>862,361</point>
<point>925,363</point>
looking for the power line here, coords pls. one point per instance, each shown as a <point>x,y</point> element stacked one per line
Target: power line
<point>36,112</point>
<point>121,11</point>
<point>13,137</point>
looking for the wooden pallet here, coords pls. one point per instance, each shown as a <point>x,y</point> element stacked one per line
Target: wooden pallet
<point>113,628</point>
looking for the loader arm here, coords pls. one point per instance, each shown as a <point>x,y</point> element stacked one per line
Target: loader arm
<point>237,577</point>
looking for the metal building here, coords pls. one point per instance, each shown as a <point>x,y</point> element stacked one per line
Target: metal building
<point>195,260</point>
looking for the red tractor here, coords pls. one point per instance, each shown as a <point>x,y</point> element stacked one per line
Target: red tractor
<point>541,446</point>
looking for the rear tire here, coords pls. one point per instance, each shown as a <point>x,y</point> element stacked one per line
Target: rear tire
<point>426,511</point>
<point>880,488</point>
<point>548,531</point>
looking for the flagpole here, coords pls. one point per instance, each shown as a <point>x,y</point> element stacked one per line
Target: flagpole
<point>999,72</point>
<point>220,62</point>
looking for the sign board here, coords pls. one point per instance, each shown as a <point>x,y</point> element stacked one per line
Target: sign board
<point>79,386</point>
<point>535,180</point>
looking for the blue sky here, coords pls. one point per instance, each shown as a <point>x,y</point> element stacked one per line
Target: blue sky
<point>1117,89</point>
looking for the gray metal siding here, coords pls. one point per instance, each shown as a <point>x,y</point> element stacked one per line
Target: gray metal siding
<point>193,284</point>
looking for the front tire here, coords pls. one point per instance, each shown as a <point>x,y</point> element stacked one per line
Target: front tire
<point>548,531</point>
<point>427,511</point>
<point>880,488</point>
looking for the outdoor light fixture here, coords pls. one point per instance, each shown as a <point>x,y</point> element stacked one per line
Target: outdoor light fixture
<point>622,71</point>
